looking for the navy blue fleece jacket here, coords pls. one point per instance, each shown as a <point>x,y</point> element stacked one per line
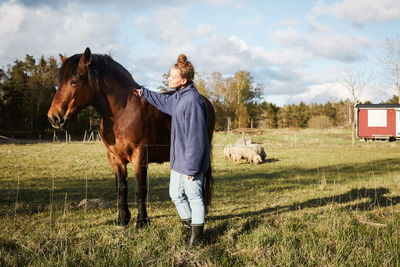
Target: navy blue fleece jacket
<point>190,149</point>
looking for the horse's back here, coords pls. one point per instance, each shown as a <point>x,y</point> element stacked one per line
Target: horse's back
<point>210,117</point>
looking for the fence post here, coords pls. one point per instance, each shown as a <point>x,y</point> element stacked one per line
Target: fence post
<point>98,137</point>
<point>91,137</point>
<point>55,138</point>
<point>229,124</point>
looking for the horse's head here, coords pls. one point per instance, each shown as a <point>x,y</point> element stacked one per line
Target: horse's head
<point>75,89</point>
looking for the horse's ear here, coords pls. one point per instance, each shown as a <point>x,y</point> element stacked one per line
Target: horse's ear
<point>85,61</point>
<point>62,58</point>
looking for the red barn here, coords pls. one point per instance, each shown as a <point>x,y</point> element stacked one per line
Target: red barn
<point>378,121</point>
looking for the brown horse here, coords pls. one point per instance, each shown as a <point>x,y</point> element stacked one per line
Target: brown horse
<point>132,130</point>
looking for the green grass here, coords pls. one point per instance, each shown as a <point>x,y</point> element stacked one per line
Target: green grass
<point>317,200</point>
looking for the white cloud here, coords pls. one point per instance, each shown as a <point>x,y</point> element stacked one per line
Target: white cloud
<point>157,37</point>
<point>289,37</point>
<point>326,91</point>
<point>361,12</point>
<point>295,81</point>
<point>289,23</point>
<point>319,93</point>
<point>167,25</point>
<point>10,18</point>
<point>141,22</point>
<point>322,44</point>
<point>122,4</point>
<point>319,27</point>
<point>323,85</point>
<point>169,29</point>
<point>42,31</point>
<point>205,30</point>
<point>219,2</point>
<point>279,69</point>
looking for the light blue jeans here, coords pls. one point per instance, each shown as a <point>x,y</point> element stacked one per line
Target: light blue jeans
<point>187,194</point>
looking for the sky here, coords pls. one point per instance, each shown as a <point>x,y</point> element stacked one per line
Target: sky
<point>295,49</point>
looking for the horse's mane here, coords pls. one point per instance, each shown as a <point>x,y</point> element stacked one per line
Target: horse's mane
<point>98,67</point>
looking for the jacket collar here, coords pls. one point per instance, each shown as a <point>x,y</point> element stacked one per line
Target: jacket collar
<point>180,93</point>
<point>188,88</point>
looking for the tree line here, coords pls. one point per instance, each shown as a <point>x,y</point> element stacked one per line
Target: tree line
<point>27,88</point>
<point>238,103</point>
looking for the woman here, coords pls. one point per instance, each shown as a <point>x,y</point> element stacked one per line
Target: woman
<point>190,150</point>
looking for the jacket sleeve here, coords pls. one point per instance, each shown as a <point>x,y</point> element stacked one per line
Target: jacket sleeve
<point>197,145</point>
<point>162,102</point>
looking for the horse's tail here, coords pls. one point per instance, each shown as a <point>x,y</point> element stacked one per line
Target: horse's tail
<point>208,186</point>
<point>208,178</point>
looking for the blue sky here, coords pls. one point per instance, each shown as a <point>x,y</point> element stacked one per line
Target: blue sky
<point>296,49</point>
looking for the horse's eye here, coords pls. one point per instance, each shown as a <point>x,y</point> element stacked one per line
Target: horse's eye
<point>73,83</point>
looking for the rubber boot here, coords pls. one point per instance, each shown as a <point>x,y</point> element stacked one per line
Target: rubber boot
<point>186,226</point>
<point>197,233</point>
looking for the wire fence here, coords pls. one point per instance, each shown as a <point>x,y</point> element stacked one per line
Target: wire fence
<point>296,163</point>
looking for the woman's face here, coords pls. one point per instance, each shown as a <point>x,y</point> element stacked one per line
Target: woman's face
<point>175,80</point>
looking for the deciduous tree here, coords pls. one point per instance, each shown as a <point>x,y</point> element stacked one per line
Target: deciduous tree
<point>390,60</point>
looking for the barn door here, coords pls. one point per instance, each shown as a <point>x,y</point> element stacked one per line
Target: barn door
<point>397,123</point>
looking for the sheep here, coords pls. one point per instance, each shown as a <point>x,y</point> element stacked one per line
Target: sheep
<point>235,153</point>
<point>244,141</point>
<point>245,152</point>
<point>248,141</point>
<point>260,150</point>
<point>244,148</point>
<point>251,155</point>
<point>227,151</point>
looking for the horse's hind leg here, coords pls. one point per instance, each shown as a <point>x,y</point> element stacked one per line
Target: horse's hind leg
<point>121,174</point>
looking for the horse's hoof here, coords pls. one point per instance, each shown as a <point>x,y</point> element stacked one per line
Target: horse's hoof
<point>142,223</point>
<point>123,222</point>
<point>124,218</point>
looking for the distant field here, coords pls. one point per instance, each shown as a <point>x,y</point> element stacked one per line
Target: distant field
<point>316,200</point>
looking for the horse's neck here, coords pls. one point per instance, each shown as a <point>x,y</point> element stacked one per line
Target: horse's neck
<point>102,106</point>
<point>111,101</point>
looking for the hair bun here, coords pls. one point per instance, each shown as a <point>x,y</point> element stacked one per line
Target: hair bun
<point>185,68</point>
<point>182,58</point>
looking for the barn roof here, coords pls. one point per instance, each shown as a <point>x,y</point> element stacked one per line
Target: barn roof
<point>383,106</point>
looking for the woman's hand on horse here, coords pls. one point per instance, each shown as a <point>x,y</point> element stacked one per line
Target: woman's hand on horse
<point>137,92</point>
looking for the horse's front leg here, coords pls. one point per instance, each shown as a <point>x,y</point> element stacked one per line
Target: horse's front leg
<point>121,175</point>
<point>141,188</point>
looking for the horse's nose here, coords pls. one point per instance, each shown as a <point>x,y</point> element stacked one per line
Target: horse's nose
<point>56,121</point>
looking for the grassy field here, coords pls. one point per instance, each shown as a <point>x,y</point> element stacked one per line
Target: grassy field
<point>316,200</point>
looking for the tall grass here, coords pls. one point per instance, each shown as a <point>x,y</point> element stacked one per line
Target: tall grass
<point>316,200</point>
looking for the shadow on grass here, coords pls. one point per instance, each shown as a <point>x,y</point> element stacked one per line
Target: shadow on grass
<point>374,198</point>
<point>15,252</point>
<point>34,198</point>
<point>294,176</point>
<point>270,160</point>
<point>39,194</point>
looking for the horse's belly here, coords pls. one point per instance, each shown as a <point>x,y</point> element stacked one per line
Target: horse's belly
<point>158,153</point>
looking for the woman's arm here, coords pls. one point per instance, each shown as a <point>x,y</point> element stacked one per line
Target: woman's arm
<point>162,102</point>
